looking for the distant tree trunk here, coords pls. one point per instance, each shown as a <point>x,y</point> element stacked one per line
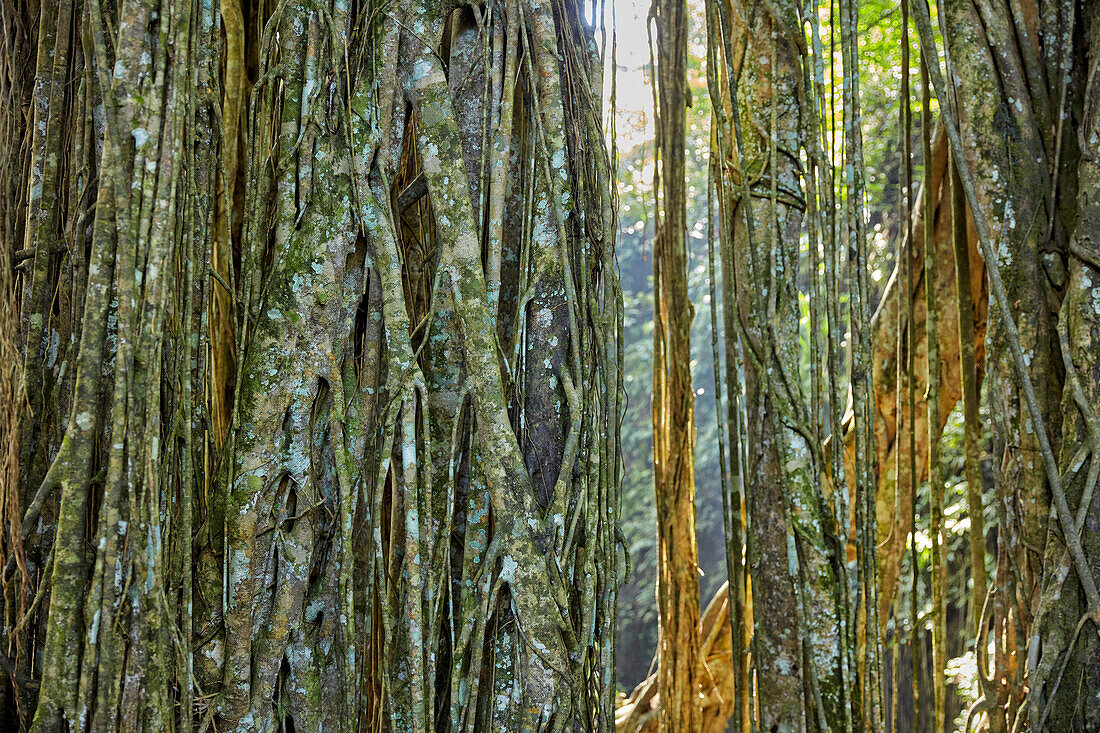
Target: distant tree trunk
<point>892,428</point>
<point>678,662</point>
<point>327,429</point>
<point>793,547</point>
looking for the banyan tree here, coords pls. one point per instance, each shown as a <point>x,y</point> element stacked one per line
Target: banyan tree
<point>311,347</point>
<point>313,355</point>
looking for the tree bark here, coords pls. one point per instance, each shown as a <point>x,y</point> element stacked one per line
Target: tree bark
<point>678,661</point>
<point>795,606</point>
<point>1063,650</point>
<point>339,413</point>
<point>1008,132</point>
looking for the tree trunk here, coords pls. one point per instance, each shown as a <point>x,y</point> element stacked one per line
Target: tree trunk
<point>796,609</point>
<point>1068,653</point>
<point>678,661</point>
<point>1019,170</point>
<point>340,412</point>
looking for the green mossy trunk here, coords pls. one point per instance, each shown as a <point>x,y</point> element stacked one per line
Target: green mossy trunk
<point>322,341</point>
<point>793,548</point>
<point>1003,136</point>
<point>1031,176</point>
<point>1064,651</point>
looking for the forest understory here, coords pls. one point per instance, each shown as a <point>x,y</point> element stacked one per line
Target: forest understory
<point>549,365</point>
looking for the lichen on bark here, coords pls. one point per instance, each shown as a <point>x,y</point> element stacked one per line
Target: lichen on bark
<point>303,480</point>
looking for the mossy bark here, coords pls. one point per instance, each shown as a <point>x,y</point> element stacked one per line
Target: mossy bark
<point>792,544</point>
<point>1064,646</point>
<point>340,433</point>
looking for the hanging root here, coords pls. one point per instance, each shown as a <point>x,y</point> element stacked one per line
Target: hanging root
<point>12,405</point>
